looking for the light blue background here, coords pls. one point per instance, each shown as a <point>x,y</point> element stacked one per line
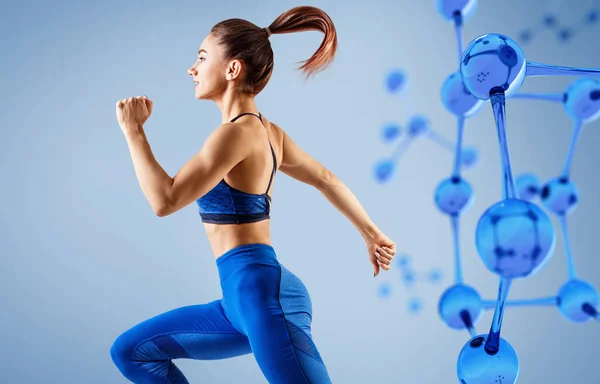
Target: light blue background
<point>84,258</point>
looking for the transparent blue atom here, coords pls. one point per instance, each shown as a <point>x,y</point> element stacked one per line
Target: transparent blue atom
<point>396,81</point>
<point>384,170</point>
<point>415,305</point>
<point>560,196</point>
<point>403,260</point>
<point>572,297</point>
<point>514,238</point>
<point>528,186</point>
<point>384,290</point>
<point>453,195</point>
<point>525,36</point>
<point>418,125</point>
<point>582,100</point>
<point>549,20</point>
<point>448,9</point>
<point>469,157</point>
<point>591,17</point>
<point>476,366</point>
<point>435,275</point>
<point>457,99</point>
<point>408,277</point>
<point>565,34</point>
<point>493,63</point>
<point>456,300</point>
<point>390,132</point>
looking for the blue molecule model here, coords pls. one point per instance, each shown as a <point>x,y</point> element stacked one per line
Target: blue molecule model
<point>514,238</point>
<point>493,62</point>
<point>457,299</point>
<point>418,125</point>
<point>476,366</point>
<point>582,100</point>
<point>560,196</point>
<point>396,81</point>
<point>469,157</point>
<point>528,186</point>
<point>390,132</point>
<point>435,275</point>
<point>384,170</point>
<point>572,297</point>
<point>453,195</point>
<point>457,99</point>
<point>384,290</point>
<point>415,305</point>
<point>449,9</point>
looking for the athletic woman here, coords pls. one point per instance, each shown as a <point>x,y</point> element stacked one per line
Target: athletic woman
<point>265,309</point>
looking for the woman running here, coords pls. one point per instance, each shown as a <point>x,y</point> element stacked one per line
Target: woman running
<point>265,309</point>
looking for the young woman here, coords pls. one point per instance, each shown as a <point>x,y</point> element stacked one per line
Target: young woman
<point>265,309</point>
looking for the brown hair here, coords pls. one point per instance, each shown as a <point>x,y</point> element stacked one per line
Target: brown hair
<point>249,43</point>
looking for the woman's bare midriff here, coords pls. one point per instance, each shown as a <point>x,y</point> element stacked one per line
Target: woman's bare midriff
<point>224,237</point>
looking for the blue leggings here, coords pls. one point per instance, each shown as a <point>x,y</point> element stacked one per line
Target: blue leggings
<point>265,310</point>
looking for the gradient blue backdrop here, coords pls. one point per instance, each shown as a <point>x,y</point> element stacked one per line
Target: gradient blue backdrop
<point>84,257</point>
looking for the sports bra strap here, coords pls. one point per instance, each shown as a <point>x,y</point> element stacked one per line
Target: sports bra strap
<point>272,151</point>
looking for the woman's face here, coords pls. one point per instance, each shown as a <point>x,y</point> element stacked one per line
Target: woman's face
<point>211,73</point>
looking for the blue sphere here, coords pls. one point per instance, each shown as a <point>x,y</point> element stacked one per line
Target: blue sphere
<point>493,63</point>
<point>549,20</point>
<point>514,238</point>
<point>415,305</point>
<point>403,260</point>
<point>390,132</point>
<point>417,125</point>
<point>453,195</point>
<point>457,99</point>
<point>408,277</point>
<point>525,36</point>
<point>384,290</point>
<point>395,81</point>
<point>456,299</point>
<point>564,34</point>
<point>560,196</point>
<point>582,100</point>
<point>435,275</point>
<point>449,8</point>
<point>384,169</point>
<point>591,17</point>
<point>476,366</point>
<point>469,157</point>
<point>571,298</point>
<point>528,186</point>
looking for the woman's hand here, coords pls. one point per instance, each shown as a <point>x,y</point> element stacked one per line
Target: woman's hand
<point>381,251</point>
<point>132,113</point>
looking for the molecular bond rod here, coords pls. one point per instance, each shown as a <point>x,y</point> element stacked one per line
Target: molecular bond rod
<point>539,69</point>
<point>577,124</point>
<point>492,344</point>
<point>559,97</point>
<point>509,189</point>
<point>490,304</point>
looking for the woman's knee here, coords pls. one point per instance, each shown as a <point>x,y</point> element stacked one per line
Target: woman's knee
<point>122,350</point>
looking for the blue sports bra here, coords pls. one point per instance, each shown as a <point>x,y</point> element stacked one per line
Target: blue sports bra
<point>227,205</point>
